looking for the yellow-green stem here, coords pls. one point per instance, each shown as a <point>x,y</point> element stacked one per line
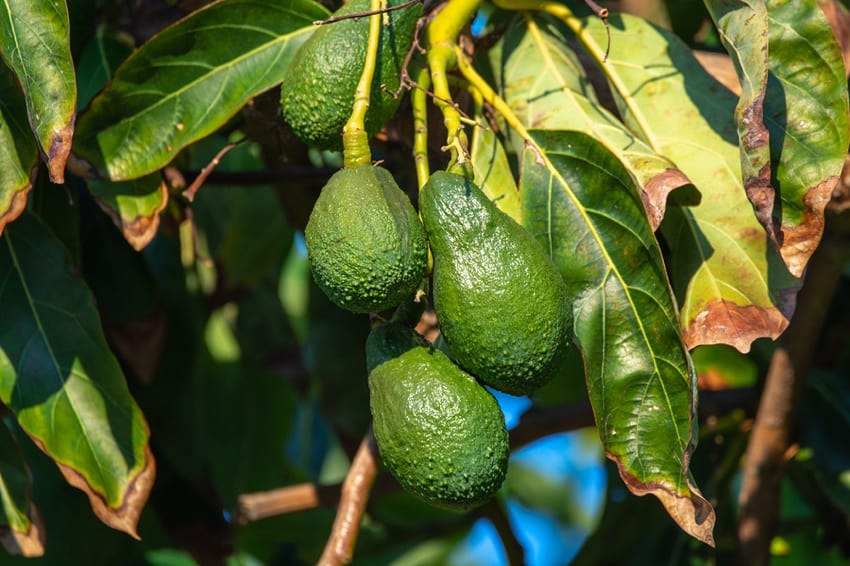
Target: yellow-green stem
<point>355,140</point>
<point>441,37</point>
<point>490,96</point>
<point>419,101</point>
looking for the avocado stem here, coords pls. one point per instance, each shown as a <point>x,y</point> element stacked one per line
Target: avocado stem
<point>355,140</point>
<point>419,101</point>
<point>441,37</point>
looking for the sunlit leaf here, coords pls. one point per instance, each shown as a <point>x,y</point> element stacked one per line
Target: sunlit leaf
<point>742,26</point>
<point>18,152</point>
<point>577,200</point>
<point>806,111</point>
<point>545,86</point>
<point>21,528</point>
<point>60,379</point>
<point>134,206</point>
<point>493,171</point>
<point>732,286</point>
<point>187,81</point>
<point>34,42</point>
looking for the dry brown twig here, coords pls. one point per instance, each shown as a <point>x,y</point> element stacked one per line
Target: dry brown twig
<point>352,504</point>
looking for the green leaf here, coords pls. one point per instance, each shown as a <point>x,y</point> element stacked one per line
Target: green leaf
<point>134,206</point>
<point>577,200</point>
<point>492,170</point>
<point>99,59</point>
<point>21,528</point>
<point>18,152</point>
<point>732,286</point>
<point>806,111</point>
<point>188,81</point>
<point>544,84</point>
<point>34,42</point>
<point>742,26</point>
<point>60,379</point>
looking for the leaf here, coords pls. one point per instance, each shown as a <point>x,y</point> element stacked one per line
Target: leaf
<point>21,528</point>
<point>806,111</point>
<point>99,59</point>
<point>578,202</point>
<point>188,81</point>
<point>492,169</point>
<point>34,42</point>
<point>63,384</point>
<point>18,152</point>
<point>544,84</point>
<point>134,206</point>
<point>732,286</point>
<point>742,26</point>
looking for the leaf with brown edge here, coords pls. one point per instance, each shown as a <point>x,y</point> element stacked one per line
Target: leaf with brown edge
<point>579,202</point>
<point>133,206</point>
<point>60,379</point>
<point>544,84</point>
<point>806,111</point>
<point>742,26</point>
<point>34,42</point>
<point>21,526</point>
<point>18,152</point>
<point>721,260</point>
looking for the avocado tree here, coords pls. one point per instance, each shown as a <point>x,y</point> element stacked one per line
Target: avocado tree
<point>231,328</point>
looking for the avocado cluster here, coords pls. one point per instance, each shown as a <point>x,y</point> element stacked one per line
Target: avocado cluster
<point>503,310</point>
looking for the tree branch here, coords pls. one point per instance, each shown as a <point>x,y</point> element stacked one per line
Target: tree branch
<point>355,494</point>
<point>776,420</point>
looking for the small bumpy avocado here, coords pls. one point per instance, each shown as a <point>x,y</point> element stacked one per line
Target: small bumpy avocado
<point>365,242</point>
<point>317,92</point>
<point>439,432</point>
<point>501,304</point>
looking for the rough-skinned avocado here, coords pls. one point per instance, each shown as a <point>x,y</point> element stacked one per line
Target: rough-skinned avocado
<point>439,432</point>
<point>365,242</point>
<point>390,340</point>
<point>317,92</point>
<point>501,304</point>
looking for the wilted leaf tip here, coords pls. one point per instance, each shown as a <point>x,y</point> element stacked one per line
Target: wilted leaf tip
<point>724,322</point>
<point>29,543</point>
<point>124,518</point>
<point>691,511</point>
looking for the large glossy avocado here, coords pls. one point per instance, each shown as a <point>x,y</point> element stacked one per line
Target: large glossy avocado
<point>439,432</point>
<point>502,306</point>
<point>365,242</point>
<point>317,92</point>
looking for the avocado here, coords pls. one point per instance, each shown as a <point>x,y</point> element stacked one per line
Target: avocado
<point>439,432</point>
<point>365,242</point>
<point>390,340</point>
<point>317,92</point>
<point>502,306</point>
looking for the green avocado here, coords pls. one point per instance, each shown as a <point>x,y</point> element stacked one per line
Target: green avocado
<point>502,306</point>
<point>365,242</point>
<point>317,92</point>
<point>439,432</point>
<point>390,340</point>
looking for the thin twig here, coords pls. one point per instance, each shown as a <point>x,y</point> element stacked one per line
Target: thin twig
<point>602,14</point>
<point>352,504</point>
<point>262,505</point>
<point>189,193</point>
<point>358,15</point>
